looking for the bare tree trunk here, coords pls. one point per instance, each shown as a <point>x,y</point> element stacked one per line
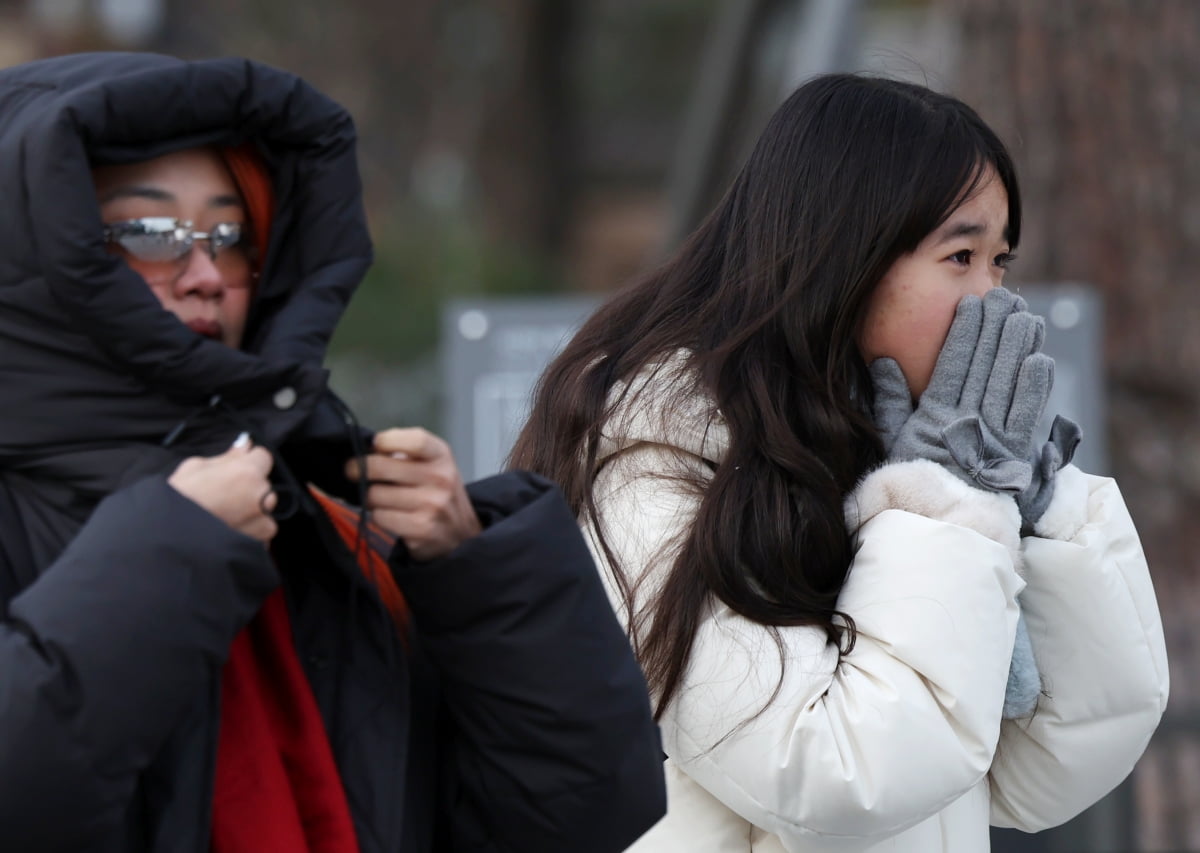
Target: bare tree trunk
<point>1100,101</point>
<point>528,145</point>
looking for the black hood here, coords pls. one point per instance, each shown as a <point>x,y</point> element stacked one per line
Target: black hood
<point>88,357</point>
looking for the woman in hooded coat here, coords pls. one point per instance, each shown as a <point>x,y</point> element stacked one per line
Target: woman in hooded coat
<point>177,243</point>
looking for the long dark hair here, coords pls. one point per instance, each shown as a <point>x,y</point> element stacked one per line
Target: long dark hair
<point>768,296</point>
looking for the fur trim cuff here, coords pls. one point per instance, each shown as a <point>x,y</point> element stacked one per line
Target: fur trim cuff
<point>926,488</point>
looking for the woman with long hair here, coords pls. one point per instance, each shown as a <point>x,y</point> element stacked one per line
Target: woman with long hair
<point>803,452</point>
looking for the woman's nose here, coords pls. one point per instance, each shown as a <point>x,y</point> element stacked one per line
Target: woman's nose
<point>200,274</point>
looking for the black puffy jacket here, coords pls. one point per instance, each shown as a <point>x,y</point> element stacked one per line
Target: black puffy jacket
<point>513,716</point>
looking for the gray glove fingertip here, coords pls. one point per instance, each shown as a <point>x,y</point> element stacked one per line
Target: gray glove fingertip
<point>1004,301</point>
<point>1039,333</point>
<point>997,311</point>
<point>1030,396</point>
<point>1023,333</point>
<point>954,360</point>
<point>970,304</point>
<point>886,374</point>
<point>1016,343</point>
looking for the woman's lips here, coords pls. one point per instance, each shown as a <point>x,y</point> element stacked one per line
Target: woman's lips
<point>207,328</point>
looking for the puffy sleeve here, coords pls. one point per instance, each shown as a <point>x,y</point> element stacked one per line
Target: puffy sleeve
<point>1098,639</point>
<point>803,744</point>
<point>103,653</point>
<point>553,746</point>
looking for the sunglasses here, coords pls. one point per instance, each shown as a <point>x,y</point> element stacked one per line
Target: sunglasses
<point>163,239</point>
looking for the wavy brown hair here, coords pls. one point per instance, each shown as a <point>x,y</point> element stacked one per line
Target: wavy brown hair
<point>768,296</point>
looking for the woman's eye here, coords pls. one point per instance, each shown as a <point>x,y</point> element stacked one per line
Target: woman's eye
<point>1003,259</point>
<point>963,257</point>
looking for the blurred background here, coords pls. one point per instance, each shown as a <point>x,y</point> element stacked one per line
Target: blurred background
<point>548,150</point>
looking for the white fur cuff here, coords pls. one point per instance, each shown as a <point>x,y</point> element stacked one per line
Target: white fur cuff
<point>926,488</point>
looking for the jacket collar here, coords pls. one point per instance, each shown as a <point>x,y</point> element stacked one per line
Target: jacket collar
<point>663,404</point>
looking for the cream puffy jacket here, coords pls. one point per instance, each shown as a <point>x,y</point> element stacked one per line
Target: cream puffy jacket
<point>900,746</point>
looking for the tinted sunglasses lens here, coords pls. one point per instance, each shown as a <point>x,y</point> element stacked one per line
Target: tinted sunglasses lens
<point>153,239</point>
<point>225,236</point>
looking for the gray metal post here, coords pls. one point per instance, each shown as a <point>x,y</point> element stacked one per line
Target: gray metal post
<point>825,41</point>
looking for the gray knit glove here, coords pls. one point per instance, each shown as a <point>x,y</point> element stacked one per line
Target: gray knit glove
<point>1046,461</point>
<point>985,397</point>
